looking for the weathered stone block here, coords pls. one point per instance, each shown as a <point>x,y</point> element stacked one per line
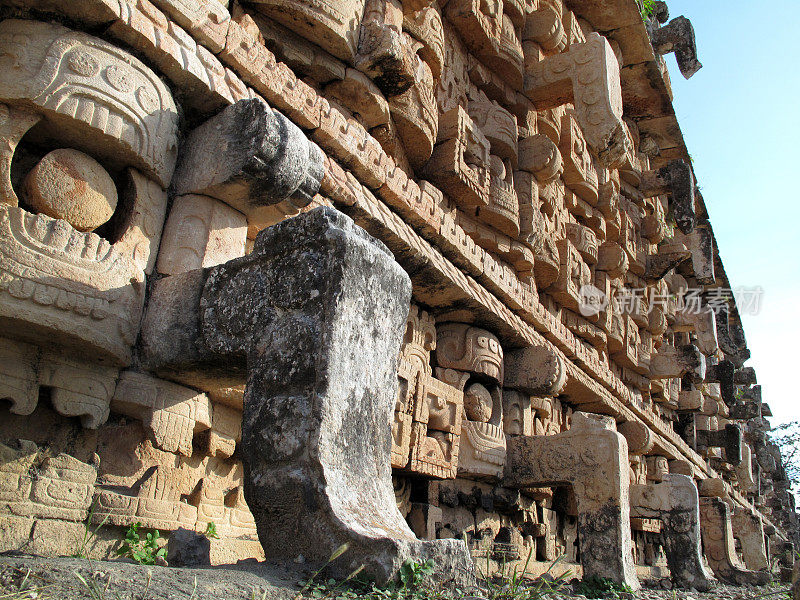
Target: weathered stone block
<point>593,458</point>
<point>253,159</point>
<point>676,502</point>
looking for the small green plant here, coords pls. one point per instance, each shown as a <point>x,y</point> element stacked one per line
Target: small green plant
<point>648,9</point>
<point>144,551</point>
<point>414,574</point>
<point>515,585</point>
<point>601,587</point>
<point>89,534</point>
<point>211,531</point>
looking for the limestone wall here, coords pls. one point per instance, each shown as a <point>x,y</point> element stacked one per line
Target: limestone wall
<point>522,162</point>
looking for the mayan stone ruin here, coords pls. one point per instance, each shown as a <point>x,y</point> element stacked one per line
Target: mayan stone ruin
<point>430,278</point>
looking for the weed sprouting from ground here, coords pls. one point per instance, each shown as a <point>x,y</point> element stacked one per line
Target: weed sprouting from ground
<point>597,587</point>
<point>416,581</point>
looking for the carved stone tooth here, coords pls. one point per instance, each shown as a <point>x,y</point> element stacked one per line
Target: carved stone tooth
<point>14,124</point>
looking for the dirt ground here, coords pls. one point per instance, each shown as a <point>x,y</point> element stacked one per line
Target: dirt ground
<point>27,577</point>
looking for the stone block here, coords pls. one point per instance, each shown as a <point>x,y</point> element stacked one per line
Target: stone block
<point>593,458</point>
<point>200,232</point>
<point>172,414</point>
<point>253,159</point>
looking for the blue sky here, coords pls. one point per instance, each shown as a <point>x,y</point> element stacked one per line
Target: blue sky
<point>740,116</point>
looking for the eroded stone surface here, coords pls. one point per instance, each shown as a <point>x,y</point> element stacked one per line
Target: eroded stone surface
<point>676,502</point>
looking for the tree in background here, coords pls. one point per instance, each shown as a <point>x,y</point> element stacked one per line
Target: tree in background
<point>787,438</point>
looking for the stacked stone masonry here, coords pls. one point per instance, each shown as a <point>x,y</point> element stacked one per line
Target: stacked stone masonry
<point>190,328</point>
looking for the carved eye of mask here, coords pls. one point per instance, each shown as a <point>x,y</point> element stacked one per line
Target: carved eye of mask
<point>70,185</point>
<point>478,403</point>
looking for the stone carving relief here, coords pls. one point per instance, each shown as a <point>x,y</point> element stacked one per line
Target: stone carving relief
<point>395,60</point>
<point>748,528</point>
<point>426,430</point>
<point>718,540</point>
<point>95,94</point>
<point>460,164</point>
<point>491,34</point>
<point>588,76</point>
<point>74,287</point>
<point>579,172</point>
<point>333,24</point>
<point>34,484</point>
<point>545,27</point>
<point>171,413</point>
<point>200,232</point>
<point>472,359</point>
<point>77,389</point>
<point>593,458</point>
<point>573,274</point>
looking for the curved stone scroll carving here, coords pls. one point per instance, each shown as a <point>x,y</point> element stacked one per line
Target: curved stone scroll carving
<point>253,159</point>
<point>545,27</point>
<point>588,76</point>
<point>315,427</point>
<point>14,124</point>
<point>718,540</point>
<point>676,502</point>
<point>537,370</point>
<point>91,92</point>
<point>678,36</point>
<point>593,458</point>
<point>541,157</point>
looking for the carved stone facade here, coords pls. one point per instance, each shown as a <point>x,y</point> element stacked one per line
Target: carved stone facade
<point>569,379</point>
